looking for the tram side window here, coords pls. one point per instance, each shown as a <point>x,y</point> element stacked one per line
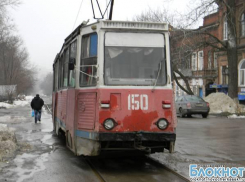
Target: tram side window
<point>73,53</point>
<point>61,71</point>
<point>65,68</point>
<point>88,66</point>
<point>55,71</point>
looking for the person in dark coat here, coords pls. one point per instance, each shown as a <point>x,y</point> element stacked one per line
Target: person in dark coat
<point>37,104</point>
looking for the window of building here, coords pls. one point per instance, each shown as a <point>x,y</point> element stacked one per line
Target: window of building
<point>73,53</point>
<point>225,29</point>
<point>215,60</point>
<point>184,64</point>
<point>241,73</point>
<point>200,60</point>
<point>194,89</point>
<point>220,75</point>
<point>209,59</point>
<point>243,24</point>
<point>225,75</point>
<point>194,61</point>
<point>88,66</point>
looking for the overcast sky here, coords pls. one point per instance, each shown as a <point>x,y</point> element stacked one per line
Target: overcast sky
<point>44,24</point>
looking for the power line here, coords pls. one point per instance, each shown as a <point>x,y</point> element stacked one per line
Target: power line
<point>77,15</point>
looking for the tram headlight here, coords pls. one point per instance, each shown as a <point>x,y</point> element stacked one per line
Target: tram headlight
<point>109,124</point>
<point>162,124</point>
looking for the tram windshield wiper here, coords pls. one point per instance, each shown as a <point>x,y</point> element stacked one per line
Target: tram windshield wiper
<point>158,73</point>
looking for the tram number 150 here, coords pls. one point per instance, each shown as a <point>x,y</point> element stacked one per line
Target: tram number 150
<point>137,101</point>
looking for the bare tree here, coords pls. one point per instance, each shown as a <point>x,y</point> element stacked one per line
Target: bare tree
<point>15,68</point>
<point>192,39</point>
<point>178,52</point>
<point>8,3</point>
<point>229,46</point>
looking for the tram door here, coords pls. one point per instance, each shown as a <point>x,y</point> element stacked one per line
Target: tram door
<point>70,118</point>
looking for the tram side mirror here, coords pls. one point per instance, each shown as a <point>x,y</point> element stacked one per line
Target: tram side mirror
<point>72,63</point>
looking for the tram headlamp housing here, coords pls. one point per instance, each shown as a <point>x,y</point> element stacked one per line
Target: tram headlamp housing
<point>162,124</point>
<point>109,124</point>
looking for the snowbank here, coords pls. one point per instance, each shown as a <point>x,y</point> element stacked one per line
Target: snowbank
<point>27,100</point>
<point>8,142</point>
<point>20,103</point>
<point>219,103</point>
<point>5,105</point>
<point>13,119</point>
<point>234,116</point>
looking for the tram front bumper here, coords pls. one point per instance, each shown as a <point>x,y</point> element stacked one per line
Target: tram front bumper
<point>132,136</point>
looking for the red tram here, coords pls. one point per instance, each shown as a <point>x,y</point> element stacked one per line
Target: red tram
<point>112,88</point>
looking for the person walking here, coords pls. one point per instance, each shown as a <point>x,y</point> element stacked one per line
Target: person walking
<point>37,104</point>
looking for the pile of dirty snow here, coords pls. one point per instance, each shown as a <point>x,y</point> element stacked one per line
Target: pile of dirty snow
<point>8,142</point>
<point>5,105</point>
<point>21,102</point>
<point>29,98</point>
<point>220,102</point>
<point>234,116</point>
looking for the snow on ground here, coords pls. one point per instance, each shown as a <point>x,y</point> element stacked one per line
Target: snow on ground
<point>220,103</point>
<point>20,103</point>
<point>12,119</point>
<point>234,116</point>
<point>8,142</point>
<point>175,161</point>
<point>5,105</point>
<point>27,100</point>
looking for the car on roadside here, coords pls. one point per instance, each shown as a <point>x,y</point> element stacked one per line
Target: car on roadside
<point>191,104</point>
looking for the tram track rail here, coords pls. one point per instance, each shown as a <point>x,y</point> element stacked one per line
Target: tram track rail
<point>48,108</point>
<point>168,169</point>
<point>94,169</point>
<point>148,159</point>
<point>104,173</point>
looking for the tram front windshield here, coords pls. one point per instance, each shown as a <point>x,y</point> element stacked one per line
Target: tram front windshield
<point>135,59</point>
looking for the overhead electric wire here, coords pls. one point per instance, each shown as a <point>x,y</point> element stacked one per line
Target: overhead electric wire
<point>77,15</point>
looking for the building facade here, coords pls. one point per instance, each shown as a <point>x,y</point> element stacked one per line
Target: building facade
<point>208,65</point>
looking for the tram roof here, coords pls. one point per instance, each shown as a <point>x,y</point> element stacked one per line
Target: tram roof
<point>122,25</point>
<point>112,24</point>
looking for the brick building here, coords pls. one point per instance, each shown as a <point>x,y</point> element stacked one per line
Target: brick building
<point>208,66</point>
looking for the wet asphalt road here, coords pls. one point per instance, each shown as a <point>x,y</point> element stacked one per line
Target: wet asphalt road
<point>211,140</point>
